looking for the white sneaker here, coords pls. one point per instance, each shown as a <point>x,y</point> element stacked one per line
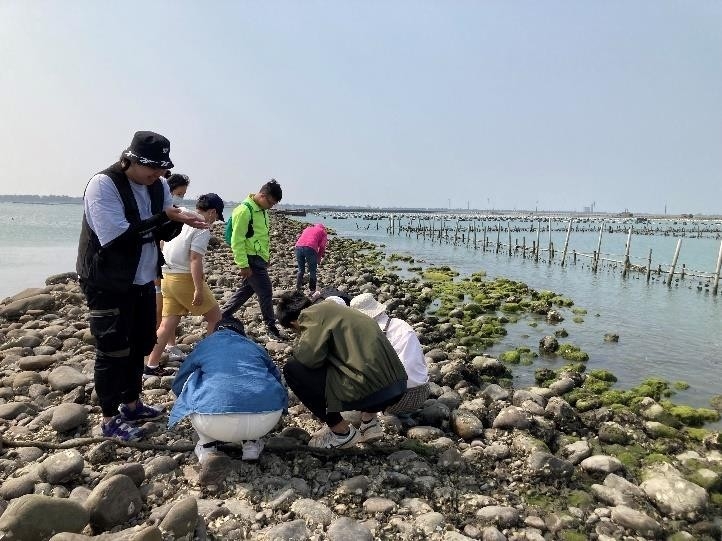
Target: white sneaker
<point>252,449</point>
<point>370,431</point>
<point>331,440</point>
<point>174,353</point>
<point>203,452</point>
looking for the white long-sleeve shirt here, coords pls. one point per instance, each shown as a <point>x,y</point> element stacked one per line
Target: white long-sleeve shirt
<point>407,347</point>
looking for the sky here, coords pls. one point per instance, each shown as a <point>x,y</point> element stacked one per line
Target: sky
<point>488,104</point>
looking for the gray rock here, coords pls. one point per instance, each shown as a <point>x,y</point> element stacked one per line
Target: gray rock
<point>348,529</point>
<point>635,520</point>
<point>11,410</point>
<point>435,413</point>
<point>512,417</point>
<point>561,413</point>
<point>294,530</point>
<point>577,451</point>
<point>14,487</point>
<point>601,463</point>
<point>451,459</point>
<point>621,484</point>
<point>68,416</point>
<point>36,362</point>
<point>430,523</point>
<point>417,506</point>
<point>562,386</point>
<point>17,308</point>
<point>181,518</point>
<point>523,395</point>
<point>160,465</point>
<point>611,496</point>
<point>675,496</point>
<point>62,466</point>
<point>135,471</point>
<point>548,344</point>
<point>355,485</point>
<point>64,378</point>
<point>424,433</point>
<point>312,511</point>
<point>23,380</point>
<point>488,366</point>
<point>113,501</point>
<point>451,399</point>
<point>497,451</point>
<point>379,505</point>
<point>547,465</point>
<point>611,432</point>
<point>502,516</point>
<point>102,453</point>
<point>490,533</point>
<point>466,425</point>
<point>495,392</point>
<point>39,517</point>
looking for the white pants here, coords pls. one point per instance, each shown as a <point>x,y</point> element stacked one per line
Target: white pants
<point>233,427</point>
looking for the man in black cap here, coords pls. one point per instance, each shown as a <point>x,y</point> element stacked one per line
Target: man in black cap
<point>127,212</point>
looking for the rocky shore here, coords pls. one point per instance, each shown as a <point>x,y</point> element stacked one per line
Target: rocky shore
<point>571,458</point>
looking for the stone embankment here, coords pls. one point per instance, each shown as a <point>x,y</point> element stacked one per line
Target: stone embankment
<point>569,459</point>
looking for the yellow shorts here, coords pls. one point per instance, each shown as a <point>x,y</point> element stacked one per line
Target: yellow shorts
<point>178,292</point>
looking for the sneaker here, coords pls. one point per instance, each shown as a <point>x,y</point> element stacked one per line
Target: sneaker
<point>140,413</point>
<point>119,429</point>
<point>203,450</point>
<point>252,449</point>
<point>370,431</point>
<point>157,371</point>
<point>331,440</point>
<point>214,469</point>
<point>174,353</point>
<point>274,333</point>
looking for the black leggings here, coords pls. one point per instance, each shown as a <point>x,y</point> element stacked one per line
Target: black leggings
<point>309,385</point>
<point>123,326</point>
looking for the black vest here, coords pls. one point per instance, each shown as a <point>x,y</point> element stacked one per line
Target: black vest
<point>112,267</point>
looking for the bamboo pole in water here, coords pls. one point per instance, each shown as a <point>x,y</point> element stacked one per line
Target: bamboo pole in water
<point>626,254</point>
<point>498,233</point>
<point>599,249</point>
<point>484,246</point>
<point>536,249</point>
<point>649,263</point>
<point>717,270</point>
<point>674,262</point>
<point>474,234</point>
<point>508,227</point>
<point>566,242</point>
<point>551,254</point>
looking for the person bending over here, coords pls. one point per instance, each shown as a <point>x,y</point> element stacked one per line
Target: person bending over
<point>184,289</point>
<point>232,392</point>
<point>310,250</point>
<point>406,344</point>
<point>341,361</point>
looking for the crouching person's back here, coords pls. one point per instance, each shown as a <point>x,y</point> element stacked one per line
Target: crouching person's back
<point>232,392</point>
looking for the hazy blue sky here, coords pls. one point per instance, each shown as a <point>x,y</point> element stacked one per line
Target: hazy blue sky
<point>502,104</point>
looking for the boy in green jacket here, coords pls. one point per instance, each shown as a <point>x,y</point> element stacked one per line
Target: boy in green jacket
<point>341,361</point>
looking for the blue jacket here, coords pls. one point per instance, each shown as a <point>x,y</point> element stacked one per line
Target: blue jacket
<point>227,373</point>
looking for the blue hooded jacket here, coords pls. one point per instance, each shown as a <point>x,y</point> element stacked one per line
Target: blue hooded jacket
<point>227,373</point>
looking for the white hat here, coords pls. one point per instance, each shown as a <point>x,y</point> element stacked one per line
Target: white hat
<point>337,300</point>
<point>366,304</point>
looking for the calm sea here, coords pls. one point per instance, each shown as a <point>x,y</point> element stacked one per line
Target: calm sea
<point>672,333</point>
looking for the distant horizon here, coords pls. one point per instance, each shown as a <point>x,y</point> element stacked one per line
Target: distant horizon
<point>330,207</point>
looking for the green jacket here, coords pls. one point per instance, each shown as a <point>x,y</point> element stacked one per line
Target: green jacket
<point>360,359</point>
<point>259,243</point>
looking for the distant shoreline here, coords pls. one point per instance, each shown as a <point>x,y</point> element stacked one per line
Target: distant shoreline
<point>70,200</point>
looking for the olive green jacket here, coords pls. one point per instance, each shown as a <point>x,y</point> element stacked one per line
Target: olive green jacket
<point>360,359</point>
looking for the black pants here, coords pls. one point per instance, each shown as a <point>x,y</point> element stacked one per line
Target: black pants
<point>123,326</point>
<point>309,385</point>
<point>259,283</point>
